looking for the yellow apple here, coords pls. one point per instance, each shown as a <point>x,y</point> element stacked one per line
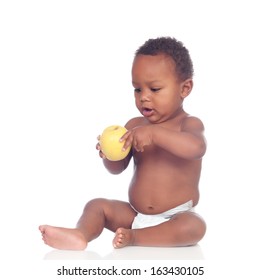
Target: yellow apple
<point>110,145</point>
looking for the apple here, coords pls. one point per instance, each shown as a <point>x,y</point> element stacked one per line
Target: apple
<point>110,145</point>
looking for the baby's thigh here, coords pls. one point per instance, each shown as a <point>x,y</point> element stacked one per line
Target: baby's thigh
<point>118,214</point>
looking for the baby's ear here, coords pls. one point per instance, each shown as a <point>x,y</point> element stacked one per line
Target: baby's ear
<point>187,86</point>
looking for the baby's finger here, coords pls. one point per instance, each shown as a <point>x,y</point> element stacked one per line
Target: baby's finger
<point>125,136</point>
<point>125,139</point>
<point>136,146</point>
<point>139,147</point>
<point>98,146</point>
<point>102,155</point>
<point>128,142</point>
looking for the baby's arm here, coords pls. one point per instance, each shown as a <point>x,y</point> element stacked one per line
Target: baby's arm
<point>188,143</point>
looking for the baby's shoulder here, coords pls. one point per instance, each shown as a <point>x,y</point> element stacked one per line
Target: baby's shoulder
<point>137,121</point>
<point>192,123</point>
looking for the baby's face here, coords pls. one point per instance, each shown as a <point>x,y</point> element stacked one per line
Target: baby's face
<point>158,91</point>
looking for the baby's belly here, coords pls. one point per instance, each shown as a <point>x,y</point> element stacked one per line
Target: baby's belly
<point>158,199</point>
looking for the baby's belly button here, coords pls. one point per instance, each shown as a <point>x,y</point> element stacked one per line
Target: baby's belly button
<point>150,210</point>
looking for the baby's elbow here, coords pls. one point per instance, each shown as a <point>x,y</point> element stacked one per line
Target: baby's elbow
<point>196,150</point>
<point>200,150</point>
<point>115,171</point>
<point>116,167</point>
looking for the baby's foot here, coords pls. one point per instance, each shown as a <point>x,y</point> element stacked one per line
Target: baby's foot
<point>124,237</point>
<point>63,238</point>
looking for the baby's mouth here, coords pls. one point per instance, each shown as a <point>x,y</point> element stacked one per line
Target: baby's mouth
<point>147,112</point>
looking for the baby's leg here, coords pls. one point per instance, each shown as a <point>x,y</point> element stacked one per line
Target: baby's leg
<point>97,215</point>
<point>183,229</point>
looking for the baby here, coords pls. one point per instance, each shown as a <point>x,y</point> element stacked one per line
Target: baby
<point>167,149</point>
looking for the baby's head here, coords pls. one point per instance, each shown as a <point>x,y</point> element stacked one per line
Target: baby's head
<point>173,49</point>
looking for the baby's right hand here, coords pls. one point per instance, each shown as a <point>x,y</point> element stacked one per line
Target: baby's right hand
<point>99,148</point>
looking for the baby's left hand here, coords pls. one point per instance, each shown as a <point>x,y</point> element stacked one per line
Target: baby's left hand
<point>138,137</point>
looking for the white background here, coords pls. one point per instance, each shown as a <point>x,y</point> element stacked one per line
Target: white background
<point>65,75</point>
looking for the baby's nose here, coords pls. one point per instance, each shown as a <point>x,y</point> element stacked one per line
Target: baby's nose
<point>145,96</point>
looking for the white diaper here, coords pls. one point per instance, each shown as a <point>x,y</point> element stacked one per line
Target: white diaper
<point>143,220</point>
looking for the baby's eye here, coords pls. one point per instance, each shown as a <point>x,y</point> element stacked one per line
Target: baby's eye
<point>155,89</point>
<point>137,90</point>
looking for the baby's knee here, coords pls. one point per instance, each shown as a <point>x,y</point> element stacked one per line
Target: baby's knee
<point>196,228</point>
<point>193,227</point>
<point>96,203</point>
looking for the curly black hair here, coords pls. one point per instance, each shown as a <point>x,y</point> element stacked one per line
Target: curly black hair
<point>174,49</point>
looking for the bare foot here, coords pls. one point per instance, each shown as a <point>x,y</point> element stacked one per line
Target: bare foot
<point>124,237</point>
<point>63,238</point>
